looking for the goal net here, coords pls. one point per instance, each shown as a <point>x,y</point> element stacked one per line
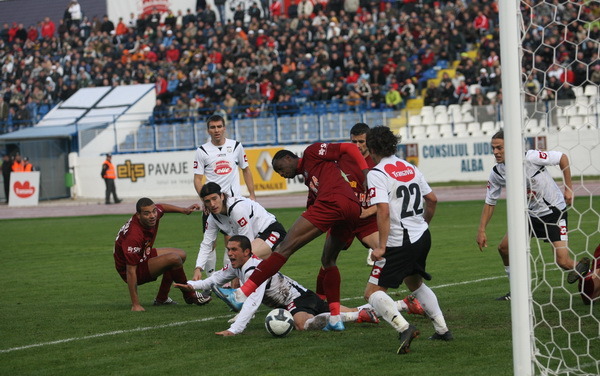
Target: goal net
<point>560,73</point>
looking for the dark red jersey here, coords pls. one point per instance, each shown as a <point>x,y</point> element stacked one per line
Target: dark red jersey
<point>134,242</point>
<point>355,176</point>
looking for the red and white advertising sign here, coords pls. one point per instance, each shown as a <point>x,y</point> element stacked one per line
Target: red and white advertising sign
<point>24,188</point>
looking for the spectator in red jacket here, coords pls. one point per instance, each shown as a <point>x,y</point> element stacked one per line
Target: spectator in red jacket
<point>48,28</point>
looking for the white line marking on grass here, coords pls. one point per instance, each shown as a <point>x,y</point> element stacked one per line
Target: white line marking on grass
<point>144,329</point>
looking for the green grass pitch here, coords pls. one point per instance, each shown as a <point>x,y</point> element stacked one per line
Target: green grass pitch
<point>65,311</point>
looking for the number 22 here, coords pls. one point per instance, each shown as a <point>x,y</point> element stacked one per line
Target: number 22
<point>410,193</point>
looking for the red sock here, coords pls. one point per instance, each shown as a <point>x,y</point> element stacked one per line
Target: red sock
<point>320,289</point>
<point>266,269</point>
<point>331,285</point>
<point>165,286</point>
<point>178,275</point>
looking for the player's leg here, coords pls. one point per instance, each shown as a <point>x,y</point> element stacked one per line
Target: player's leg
<point>300,234</point>
<point>430,304</point>
<point>260,249</point>
<point>107,191</point>
<point>503,252</point>
<point>331,278</point>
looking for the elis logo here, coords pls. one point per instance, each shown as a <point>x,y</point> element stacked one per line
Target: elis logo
<point>23,190</point>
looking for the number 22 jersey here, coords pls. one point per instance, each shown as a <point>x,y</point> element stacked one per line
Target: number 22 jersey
<point>402,186</point>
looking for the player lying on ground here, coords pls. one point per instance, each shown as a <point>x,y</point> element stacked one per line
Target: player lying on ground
<point>137,262</point>
<point>279,291</point>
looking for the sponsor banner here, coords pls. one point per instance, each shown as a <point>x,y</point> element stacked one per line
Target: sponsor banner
<point>266,180</point>
<point>24,188</point>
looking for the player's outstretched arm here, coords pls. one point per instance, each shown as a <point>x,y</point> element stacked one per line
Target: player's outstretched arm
<point>383,225</point>
<point>566,170</point>
<point>168,208</point>
<point>486,215</point>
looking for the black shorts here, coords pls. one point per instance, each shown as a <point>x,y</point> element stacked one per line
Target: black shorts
<point>308,302</point>
<point>551,227</point>
<point>273,235</point>
<point>401,262</point>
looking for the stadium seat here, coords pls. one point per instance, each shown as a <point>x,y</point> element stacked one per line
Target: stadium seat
<point>418,132</point>
<point>591,90</point>
<point>578,90</point>
<point>474,127</point>
<point>441,118</point>
<point>440,109</point>
<point>446,131</point>
<point>457,117</point>
<point>432,131</point>
<point>488,127</point>
<point>428,119</point>
<point>466,107</point>
<point>426,110</point>
<point>467,117</point>
<point>414,120</point>
<point>460,128</point>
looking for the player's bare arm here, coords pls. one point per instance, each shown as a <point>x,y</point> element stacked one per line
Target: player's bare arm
<point>383,224</point>
<point>430,205</point>
<point>566,170</point>
<point>365,213</point>
<point>249,180</point>
<point>225,333</point>
<point>183,287</point>
<point>486,215</point>
<point>132,286</point>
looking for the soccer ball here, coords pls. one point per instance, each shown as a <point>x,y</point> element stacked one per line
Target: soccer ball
<point>279,322</point>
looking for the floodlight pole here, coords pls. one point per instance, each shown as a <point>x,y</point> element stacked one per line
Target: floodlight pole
<point>515,188</point>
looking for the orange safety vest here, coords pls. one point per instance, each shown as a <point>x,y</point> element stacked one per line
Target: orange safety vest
<point>18,167</point>
<point>28,167</point>
<point>110,171</point>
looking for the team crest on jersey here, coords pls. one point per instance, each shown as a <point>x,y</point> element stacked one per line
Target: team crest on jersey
<point>323,149</point>
<point>376,272</point>
<point>195,164</point>
<point>242,222</point>
<point>222,168</point>
<point>372,192</point>
<point>400,171</point>
<point>229,149</point>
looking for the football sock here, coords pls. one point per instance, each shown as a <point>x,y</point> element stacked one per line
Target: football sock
<point>431,306</point>
<point>331,285</point>
<point>507,270</point>
<point>401,304</point>
<point>349,316</point>
<point>178,275</point>
<point>320,289</point>
<point>333,319</point>
<point>386,309</point>
<point>267,268</point>
<point>364,306</point>
<point>165,286</point>
<point>317,323</point>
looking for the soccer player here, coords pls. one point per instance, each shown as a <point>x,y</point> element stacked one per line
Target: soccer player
<point>237,216</point>
<point>547,205</point>
<point>278,291</point>
<point>138,262</point>
<point>405,206</point>
<point>334,207</point>
<point>589,285</point>
<point>219,160</point>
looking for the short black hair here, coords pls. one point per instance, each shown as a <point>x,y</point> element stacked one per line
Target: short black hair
<point>382,141</point>
<point>210,188</point>
<point>243,240</point>
<point>142,203</point>
<point>215,118</point>
<point>282,154</point>
<point>359,128</point>
<point>499,134</point>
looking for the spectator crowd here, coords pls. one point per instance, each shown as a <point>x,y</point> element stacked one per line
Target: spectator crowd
<point>345,54</point>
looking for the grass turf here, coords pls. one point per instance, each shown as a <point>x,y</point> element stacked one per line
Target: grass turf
<point>65,311</point>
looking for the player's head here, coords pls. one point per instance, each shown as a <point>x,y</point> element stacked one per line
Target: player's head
<point>146,211</point>
<point>381,141</point>
<point>285,163</point>
<point>213,198</point>
<point>498,146</point>
<point>215,126</point>
<point>239,250</point>
<point>358,136</point>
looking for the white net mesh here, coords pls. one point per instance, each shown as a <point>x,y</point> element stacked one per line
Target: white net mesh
<point>561,74</point>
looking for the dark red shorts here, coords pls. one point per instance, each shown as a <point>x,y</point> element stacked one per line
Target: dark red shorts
<point>364,228</point>
<point>338,217</point>
<point>143,273</point>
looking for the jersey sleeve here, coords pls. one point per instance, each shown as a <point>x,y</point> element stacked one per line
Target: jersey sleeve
<point>544,158</point>
<point>220,277</point>
<point>199,162</point>
<point>378,192</point>
<point>249,309</point>
<point>206,247</point>
<point>242,159</point>
<point>494,189</point>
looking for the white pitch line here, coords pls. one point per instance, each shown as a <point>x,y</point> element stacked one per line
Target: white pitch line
<point>144,329</point>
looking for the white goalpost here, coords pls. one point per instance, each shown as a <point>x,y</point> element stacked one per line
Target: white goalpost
<point>544,46</point>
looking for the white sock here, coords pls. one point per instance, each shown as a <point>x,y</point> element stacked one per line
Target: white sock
<point>431,306</point>
<point>507,270</point>
<point>364,306</point>
<point>349,316</point>
<point>387,309</point>
<point>401,304</point>
<point>317,323</point>
<point>334,319</point>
